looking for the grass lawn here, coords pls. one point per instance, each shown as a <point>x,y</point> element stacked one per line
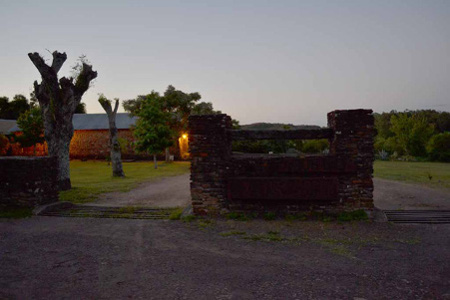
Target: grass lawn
<point>92,178</point>
<point>431,174</point>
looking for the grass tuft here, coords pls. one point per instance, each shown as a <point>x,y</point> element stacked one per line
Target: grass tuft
<point>176,214</point>
<point>188,218</point>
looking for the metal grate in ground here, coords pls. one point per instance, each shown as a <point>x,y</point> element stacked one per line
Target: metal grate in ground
<point>418,216</point>
<point>108,212</point>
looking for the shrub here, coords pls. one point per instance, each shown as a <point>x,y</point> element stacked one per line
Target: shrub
<point>315,146</point>
<point>4,143</point>
<point>439,147</point>
<point>383,155</point>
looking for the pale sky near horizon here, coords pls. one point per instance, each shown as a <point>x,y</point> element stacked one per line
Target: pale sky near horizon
<point>258,61</point>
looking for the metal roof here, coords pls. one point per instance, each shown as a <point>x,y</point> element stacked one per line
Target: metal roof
<point>7,125</point>
<point>97,122</point>
<point>100,121</point>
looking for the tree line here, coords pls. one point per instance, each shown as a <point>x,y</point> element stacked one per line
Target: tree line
<point>417,134</point>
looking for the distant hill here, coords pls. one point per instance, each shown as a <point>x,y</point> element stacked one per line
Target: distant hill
<point>276,126</point>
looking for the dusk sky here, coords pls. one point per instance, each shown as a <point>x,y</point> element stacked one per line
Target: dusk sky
<point>269,61</point>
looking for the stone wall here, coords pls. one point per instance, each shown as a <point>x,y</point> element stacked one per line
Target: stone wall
<point>27,181</point>
<point>342,180</point>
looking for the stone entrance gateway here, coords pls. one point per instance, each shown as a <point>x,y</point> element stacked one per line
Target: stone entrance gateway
<point>341,180</point>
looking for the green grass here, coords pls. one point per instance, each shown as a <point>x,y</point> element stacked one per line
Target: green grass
<point>431,174</point>
<point>92,178</point>
<point>16,213</point>
<point>176,214</point>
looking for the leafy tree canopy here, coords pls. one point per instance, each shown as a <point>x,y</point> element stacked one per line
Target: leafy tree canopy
<point>32,126</point>
<point>153,131</point>
<point>11,110</point>
<point>178,104</point>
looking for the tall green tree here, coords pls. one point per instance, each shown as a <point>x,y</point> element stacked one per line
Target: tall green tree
<point>412,132</point>
<point>11,110</point>
<point>153,130</point>
<point>32,127</point>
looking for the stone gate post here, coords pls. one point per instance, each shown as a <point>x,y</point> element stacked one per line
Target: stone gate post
<point>210,150</point>
<point>353,144</point>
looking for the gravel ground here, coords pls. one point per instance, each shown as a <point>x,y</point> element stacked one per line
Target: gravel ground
<point>85,258</point>
<point>398,195</point>
<point>174,191</point>
<point>165,192</point>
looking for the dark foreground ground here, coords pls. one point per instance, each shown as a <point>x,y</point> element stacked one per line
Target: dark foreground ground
<point>85,258</point>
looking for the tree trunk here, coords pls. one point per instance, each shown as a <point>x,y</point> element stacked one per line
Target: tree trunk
<point>64,165</point>
<point>167,155</point>
<point>59,146</point>
<point>155,162</point>
<point>58,100</point>
<point>116,157</point>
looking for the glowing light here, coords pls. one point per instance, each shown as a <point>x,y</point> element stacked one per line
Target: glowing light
<point>184,136</point>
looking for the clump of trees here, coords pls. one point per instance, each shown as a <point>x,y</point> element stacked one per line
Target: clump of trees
<point>422,134</point>
<point>279,146</point>
<point>169,113</point>
<point>282,146</point>
<point>11,110</point>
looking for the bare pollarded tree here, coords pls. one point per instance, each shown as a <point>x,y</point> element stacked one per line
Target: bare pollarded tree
<point>116,159</point>
<point>58,100</point>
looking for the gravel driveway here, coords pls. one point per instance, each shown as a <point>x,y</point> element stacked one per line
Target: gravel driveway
<point>397,195</point>
<point>174,191</point>
<point>164,192</point>
<point>85,258</point>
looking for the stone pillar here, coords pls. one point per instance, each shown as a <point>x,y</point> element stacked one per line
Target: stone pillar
<point>353,142</point>
<point>210,150</point>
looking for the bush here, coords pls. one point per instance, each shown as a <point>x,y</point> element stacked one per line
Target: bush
<point>439,147</point>
<point>315,146</point>
<point>4,143</point>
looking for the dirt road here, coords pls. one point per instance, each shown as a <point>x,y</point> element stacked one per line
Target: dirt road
<point>174,191</point>
<point>397,195</point>
<point>165,192</point>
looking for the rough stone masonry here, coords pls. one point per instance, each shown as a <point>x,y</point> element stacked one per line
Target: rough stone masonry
<point>222,181</point>
<point>27,181</point>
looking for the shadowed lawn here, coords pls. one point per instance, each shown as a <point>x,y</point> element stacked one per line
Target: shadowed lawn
<point>15,212</point>
<point>92,178</point>
<point>431,174</point>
